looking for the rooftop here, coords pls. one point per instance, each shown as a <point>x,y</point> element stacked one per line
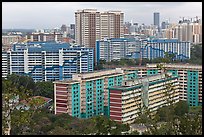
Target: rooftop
<point>42,100</point>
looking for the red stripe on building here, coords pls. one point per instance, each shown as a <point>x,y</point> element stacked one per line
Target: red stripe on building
<point>61,105</point>
<point>61,109</point>
<point>115,109</point>
<point>116,113</point>
<point>115,105</point>
<point>61,85</point>
<point>61,101</point>
<point>61,97</point>
<point>116,100</point>
<point>61,89</point>
<point>116,91</point>
<point>115,96</point>
<point>61,93</point>
<point>115,118</point>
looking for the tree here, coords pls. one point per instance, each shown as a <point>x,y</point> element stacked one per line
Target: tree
<point>10,98</point>
<point>22,81</point>
<point>190,125</point>
<point>196,54</point>
<point>181,108</point>
<point>45,89</point>
<point>100,64</point>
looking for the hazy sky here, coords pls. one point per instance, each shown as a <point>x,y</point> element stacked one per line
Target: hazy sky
<point>39,15</point>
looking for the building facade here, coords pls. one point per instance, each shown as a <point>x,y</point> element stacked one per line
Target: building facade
<point>45,36</point>
<point>189,77</point>
<point>186,30</point>
<point>92,25</point>
<point>122,93</point>
<point>47,61</point>
<point>10,39</point>
<point>115,48</point>
<point>86,95</point>
<point>157,20</point>
<point>134,95</point>
<point>157,47</point>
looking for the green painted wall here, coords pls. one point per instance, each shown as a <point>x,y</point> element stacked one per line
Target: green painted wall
<point>119,80</point>
<point>89,99</point>
<point>192,88</point>
<point>76,100</point>
<point>131,75</point>
<point>152,72</point>
<point>99,97</point>
<point>174,72</point>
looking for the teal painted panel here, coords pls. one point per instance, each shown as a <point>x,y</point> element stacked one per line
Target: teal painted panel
<point>110,81</point>
<point>119,80</point>
<point>192,88</point>
<point>106,111</point>
<point>83,115</point>
<point>174,72</point>
<point>152,72</point>
<point>76,100</point>
<point>89,99</point>
<point>99,96</point>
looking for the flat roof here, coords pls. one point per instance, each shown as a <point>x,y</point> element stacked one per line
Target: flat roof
<point>66,81</point>
<point>127,88</point>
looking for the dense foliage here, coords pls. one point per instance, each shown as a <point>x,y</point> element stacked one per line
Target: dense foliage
<point>176,119</point>
<point>196,54</point>
<point>45,89</point>
<point>46,123</point>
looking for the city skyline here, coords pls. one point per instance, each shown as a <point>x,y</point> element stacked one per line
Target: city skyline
<point>47,15</point>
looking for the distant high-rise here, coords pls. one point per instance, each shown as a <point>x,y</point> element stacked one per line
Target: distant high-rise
<point>92,25</point>
<point>64,28</point>
<point>156,20</point>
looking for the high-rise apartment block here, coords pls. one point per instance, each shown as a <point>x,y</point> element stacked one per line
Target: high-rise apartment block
<point>119,93</point>
<point>10,39</point>
<point>86,94</point>
<point>184,31</point>
<point>115,48</point>
<point>190,79</point>
<point>92,25</point>
<point>157,47</point>
<point>128,100</point>
<point>47,61</point>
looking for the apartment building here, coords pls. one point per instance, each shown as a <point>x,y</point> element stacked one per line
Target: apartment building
<point>4,64</point>
<point>116,48</point>
<point>10,39</point>
<point>186,31</point>
<point>47,61</point>
<point>190,79</point>
<point>44,36</point>
<point>134,95</point>
<point>92,25</point>
<point>157,47</point>
<point>86,95</point>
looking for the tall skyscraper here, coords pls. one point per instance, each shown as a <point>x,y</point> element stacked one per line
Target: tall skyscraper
<point>92,25</point>
<point>156,19</point>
